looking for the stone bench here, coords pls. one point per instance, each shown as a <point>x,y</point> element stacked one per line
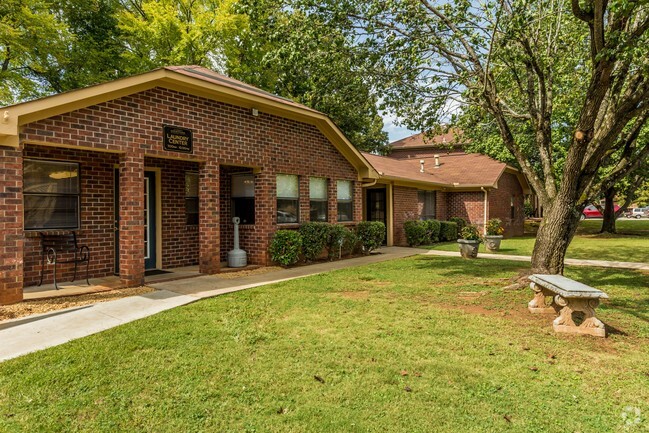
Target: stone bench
<point>571,300</point>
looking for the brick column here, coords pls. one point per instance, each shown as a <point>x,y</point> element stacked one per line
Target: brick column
<point>332,195</point>
<point>131,218</point>
<point>208,218</point>
<point>265,213</point>
<point>11,226</point>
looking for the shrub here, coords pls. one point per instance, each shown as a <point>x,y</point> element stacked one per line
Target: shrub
<point>495,227</point>
<point>370,235</point>
<point>315,236</point>
<point>416,232</point>
<point>528,208</point>
<point>461,223</point>
<point>448,231</point>
<point>350,242</point>
<point>432,230</point>
<point>471,233</point>
<point>285,247</point>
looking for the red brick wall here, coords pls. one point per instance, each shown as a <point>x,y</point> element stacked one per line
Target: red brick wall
<point>500,200</point>
<point>223,135</point>
<point>405,208</point>
<point>11,226</point>
<point>179,240</point>
<point>441,205</point>
<point>468,205</point>
<point>97,214</point>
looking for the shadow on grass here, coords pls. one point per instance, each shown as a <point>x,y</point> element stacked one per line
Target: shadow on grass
<point>453,266</point>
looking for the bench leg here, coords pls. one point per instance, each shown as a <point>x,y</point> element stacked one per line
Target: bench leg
<point>56,286</point>
<point>74,276</point>
<point>42,269</point>
<point>565,322</point>
<point>87,269</point>
<point>538,305</point>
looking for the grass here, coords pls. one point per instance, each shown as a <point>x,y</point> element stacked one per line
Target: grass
<point>399,346</point>
<point>630,244</point>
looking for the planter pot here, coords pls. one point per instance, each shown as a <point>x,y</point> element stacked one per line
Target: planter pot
<point>468,249</point>
<point>492,242</point>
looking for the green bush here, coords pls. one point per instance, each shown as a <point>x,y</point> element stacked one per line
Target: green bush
<point>285,248</point>
<point>448,231</point>
<point>315,236</point>
<point>433,228</point>
<point>461,223</point>
<point>416,232</point>
<point>350,242</point>
<point>370,235</point>
<point>471,233</point>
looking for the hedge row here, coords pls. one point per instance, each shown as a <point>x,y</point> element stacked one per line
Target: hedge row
<point>312,238</point>
<point>430,231</point>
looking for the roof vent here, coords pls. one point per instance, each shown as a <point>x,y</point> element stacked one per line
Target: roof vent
<point>421,165</point>
<point>436,161</point>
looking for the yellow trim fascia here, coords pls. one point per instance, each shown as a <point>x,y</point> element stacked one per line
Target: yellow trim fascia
<point>9,141</point>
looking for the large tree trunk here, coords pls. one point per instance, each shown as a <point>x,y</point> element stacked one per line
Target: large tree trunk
<point>608,224</point>
<point>555,234</point>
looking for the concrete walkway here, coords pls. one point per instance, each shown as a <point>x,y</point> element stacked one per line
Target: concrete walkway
<point>37,332</point>
<point>570,262</point>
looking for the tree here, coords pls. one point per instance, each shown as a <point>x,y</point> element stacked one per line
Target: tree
<point>560,82</point>
<point>176,32</point>
<point>297,56</point>
<point>31,37</point>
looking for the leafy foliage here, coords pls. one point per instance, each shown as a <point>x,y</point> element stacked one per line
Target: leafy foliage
<point>371,235</point>
<point>433,228</point>
<point>448,231</point>
<point>285,248</point>
<point>495,227</point>
<point>461,223</point>
<point>471,233</point>
<point>315,236</point>
<point>416,232</point>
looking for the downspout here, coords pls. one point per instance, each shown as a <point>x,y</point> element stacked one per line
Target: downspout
<point>486,209</point>
<point>369,184</point>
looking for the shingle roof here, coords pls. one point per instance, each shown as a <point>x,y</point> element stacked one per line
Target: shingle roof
<point>421,140</point>
<point>456,170</point>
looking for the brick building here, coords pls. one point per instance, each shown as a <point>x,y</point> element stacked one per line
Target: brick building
<point>130,164</point>
<point>432,178</point>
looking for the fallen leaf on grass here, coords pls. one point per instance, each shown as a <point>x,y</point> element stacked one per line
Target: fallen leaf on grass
<point>404,373</point>
<point>282,410</point>
<point>534,368</point>
<point>507,418</point>
<point>407,389</point>
<point>319,379</point>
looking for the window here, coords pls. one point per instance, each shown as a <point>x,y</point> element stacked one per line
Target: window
<point>191,198</point>
<point>243,197</point>
<point>318,198</point>
<point>426,205</point>
<point>345,200</point>
<point>288,199</point>
<point>51,194</point>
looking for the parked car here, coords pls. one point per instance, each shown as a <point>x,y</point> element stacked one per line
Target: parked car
<point>591,211</point>
<point>639,212</point>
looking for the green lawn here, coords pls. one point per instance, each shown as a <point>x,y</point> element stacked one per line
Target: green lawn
<point>630,244</point>
<point>395,346</point>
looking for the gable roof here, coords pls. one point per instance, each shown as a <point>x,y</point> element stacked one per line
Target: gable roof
<point>449,139</point>
<point>194,80</point>
<point>457,170</point>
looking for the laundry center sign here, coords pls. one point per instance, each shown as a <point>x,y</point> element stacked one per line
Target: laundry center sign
<point>177,139</point>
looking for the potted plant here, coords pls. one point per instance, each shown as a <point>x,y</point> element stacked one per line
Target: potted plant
<point>494,235</point>
<point>469,242</point>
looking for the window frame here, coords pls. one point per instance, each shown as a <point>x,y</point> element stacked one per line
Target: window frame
<point>192,197</point>
<point>76,195</point>
<point>234,199</point>
<point>349,201</point>
<point>286,199</point>
<point>423,216</point>
<point>319,200</point>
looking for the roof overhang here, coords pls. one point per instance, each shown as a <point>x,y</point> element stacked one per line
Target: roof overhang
<point>15,116</point>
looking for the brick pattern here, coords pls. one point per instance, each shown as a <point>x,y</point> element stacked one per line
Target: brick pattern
<point>97,214</point>
<point>223,135</point>
<point>11,226</point>
<point>441,200</point>
<point>468,205</point>
<point>500,201</point>
<point>405,208</point>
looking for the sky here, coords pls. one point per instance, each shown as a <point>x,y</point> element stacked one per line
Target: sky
<point>395,132</point>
